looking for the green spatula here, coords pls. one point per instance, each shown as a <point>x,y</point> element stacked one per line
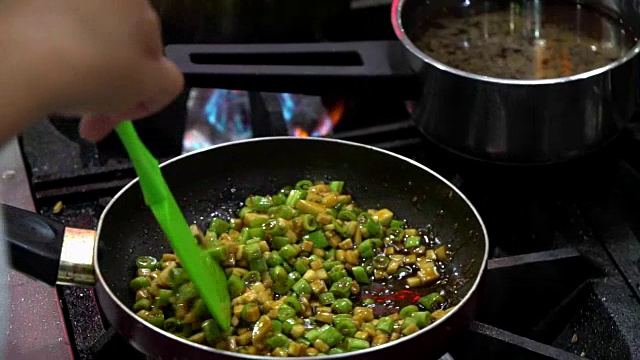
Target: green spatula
<point>205,273</point>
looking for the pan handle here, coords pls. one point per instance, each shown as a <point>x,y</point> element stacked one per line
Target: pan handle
<point>336,68</point>
<point>35,243</point>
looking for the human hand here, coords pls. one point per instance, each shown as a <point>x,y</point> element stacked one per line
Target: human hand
<point>102,59</point>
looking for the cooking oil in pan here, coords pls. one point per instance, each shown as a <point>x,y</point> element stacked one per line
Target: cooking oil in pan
<point>523,40</point>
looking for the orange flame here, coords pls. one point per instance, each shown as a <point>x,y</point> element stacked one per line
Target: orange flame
<point>336,112</point>
<point>326,123</point>
<point>299,132</point>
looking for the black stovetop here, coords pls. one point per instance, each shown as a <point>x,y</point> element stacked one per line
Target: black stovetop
<point>563,280</point>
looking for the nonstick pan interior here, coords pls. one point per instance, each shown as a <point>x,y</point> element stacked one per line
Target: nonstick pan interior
<point>219,179</point>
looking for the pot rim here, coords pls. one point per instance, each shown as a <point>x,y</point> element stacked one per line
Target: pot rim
<point>100,279</point>
<point>398,28</point>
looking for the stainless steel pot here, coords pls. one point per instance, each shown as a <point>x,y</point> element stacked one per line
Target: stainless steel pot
<point>524,121</point>
<point>500,120</point>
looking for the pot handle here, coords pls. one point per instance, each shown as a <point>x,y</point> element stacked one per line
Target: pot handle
<point>336,68</point>
<point>35,243</point>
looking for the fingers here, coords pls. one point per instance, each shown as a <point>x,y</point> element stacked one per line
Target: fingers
<point>164,83</point>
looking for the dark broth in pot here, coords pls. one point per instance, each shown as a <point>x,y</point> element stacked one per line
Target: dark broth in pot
<point>524,40</point>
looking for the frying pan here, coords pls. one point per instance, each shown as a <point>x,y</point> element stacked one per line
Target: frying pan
<point>216,181</point>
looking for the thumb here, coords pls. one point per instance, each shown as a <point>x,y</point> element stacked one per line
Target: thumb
<point>165,82</point>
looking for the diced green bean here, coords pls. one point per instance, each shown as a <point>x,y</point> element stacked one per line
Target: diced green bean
<point>293,277</point>
<point>257,222</point>
<point>146,262</point>
<point>304,341</point>
<point>199,309</point>
<point>255,233</point>
<point>342,287</point>
<point>346,326</point>
<point>177,277</point>
<point>368,302</point>
<point>279,242</point>
<point>285,312</point>
<point>259,203</point>
<point>186,292</point>
<point>152,317</point>
<point>360,275</point>
<point>287,267</point>
<point>294,303</point>
<point>211,331</point>
<point>293,197</point>
<point>278,341</point>
<point>422,318</point>
<point>287,325</point>
<point>366,249</point>
<point>279,199</point>
<point>317,238</point>
<point>396,234</point>
<point>283,212</point>
<point>172,325</point>
<point>302,287</point>
<point>326,298</point>
<point>218,226</point>
<point>235,285</point>
<point>330,254</point>
<point>380,262</point>
<point>288,252</point>
<point>337,273</point>
<point>412,242</point>
<point>341,229</point>
<point>309,222</point>
<point>279,274</point>
<point>347,215</point>
<point>408,310</point>
<point>251,277</point>
<point>244,211</point>
<point>431,301</point>
<point>164,297</point>
<point>253,252</point>
<point>274,227</point>
<point>408,321</point>
<point>142,304</point>
<point>274,259</point>
<point>300,266</point>
<point>312,335</point>
<point>276,326</point>
<point>342,306</point>
<point>328,265</point>
<point>139,283</point>
<point>244,235</point>
<point>396,223</point>
<point>354,344</point>
<point>330,336</point>
<point>303,185</point>
<point>258,265</point>
<point>335,351</point>
<point>219,253</point>
<point>377,243</point>
<point>385,325</point>
<point>336,186</point>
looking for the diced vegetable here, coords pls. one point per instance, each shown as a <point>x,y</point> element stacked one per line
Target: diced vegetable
<point>295,263</point>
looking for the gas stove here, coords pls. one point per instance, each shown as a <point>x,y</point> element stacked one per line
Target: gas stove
<point>563,279</point>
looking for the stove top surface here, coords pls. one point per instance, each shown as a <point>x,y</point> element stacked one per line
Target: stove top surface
<point>563,279</point>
